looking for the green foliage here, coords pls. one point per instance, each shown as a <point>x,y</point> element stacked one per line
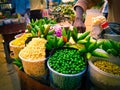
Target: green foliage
<point>41,27</point>
<point>18,63</point>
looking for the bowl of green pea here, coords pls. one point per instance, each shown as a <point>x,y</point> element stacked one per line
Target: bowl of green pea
<point>104,74</point>
<point>66,68</point>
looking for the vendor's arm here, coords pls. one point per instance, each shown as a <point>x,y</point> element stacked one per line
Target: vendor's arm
<point>80,7</point>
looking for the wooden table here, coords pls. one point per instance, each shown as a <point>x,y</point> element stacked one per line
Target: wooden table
<point>8,32</point>
<point>28,83</point>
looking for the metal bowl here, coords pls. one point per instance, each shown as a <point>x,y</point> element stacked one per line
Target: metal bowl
<point>113,37</point>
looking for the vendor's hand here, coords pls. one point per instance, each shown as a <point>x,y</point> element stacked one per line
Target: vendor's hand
<point>78,23</point>
<point>45,12</point>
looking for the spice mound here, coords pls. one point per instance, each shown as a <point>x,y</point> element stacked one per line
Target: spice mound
<point>108,67</point>
<point>35,50</point>
<point>21,40</point>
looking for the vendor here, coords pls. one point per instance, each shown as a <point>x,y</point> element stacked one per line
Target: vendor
<point>37,9</point>
<point>82,5</point>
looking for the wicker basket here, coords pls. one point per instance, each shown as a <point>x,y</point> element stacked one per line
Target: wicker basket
<point>34,68</point>
<point>15,50</point>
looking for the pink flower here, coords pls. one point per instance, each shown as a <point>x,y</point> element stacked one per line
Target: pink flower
<point>58,30</point>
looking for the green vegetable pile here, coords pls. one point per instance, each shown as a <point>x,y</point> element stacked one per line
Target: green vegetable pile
<point>63,11</point>
<point>18,63</point>
<point>41,27</point>
<point>87,45</point>
<point>111,47</point>
<point>67,61</point>
<point>70,65</point>
<point>108,67</point>
<point>57,42</point>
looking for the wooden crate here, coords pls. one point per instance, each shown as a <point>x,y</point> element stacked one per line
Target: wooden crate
<point>28,83</point>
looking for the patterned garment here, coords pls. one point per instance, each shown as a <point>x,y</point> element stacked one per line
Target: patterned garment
<point>114,6</point>
<point>20,6</point>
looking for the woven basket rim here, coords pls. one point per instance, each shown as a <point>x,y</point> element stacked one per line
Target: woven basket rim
<point>40,60</point>
<point>10,44</point>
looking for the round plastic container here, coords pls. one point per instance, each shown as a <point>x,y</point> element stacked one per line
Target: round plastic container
<point>65,81</point>
<point>34,68</point>
<point>116,28</point>
<point>114,59</point>
<point>102,79</point>
<point>15,50</point>
<point>111,36</point>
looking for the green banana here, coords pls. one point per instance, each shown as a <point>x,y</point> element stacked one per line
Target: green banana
<point>112,51</point>
<point>88,41</point>
<point>37,27</point>
<point>55,41</point>
<point>114,44</point>
<point>83,50</point>
<point>104,46</point>
<point>108,44</point>
<point>88,55</point>
<point>75,30</point>
<point>99,43</point>
<point>67,44</point>
<point>60,42</point>
<point>49,37</point>
<point>81,41</point>
<point>88,38</point>
<point>51,42</point>
<point>42,28</point>
<point>36,22</point>
<point>74,34</point>
<point>92,46</point>
<point>85,34</point>
<point>48,47</point>
<point>33,33</point>
<point>47,28</point>
<point>51,32</point>
<point>100,54</point>
<point>64,32</point>
<point>68,34</point>
<point>109,51</point>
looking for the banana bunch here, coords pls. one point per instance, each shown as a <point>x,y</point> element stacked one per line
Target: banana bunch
<point>111,47</point>
<point>85,44</point>
<point>56,42</point>
<point>41,28</point>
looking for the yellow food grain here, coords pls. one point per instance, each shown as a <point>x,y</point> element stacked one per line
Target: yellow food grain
<point>35,50</point>
<point>21,40</point>
<point>108,67</point>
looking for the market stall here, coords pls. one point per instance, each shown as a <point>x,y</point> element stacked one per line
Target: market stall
<point>60,61</point>
<point>51,56</point>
